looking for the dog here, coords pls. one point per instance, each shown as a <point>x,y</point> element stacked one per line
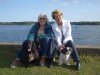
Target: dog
<point>65,56</point>
<point>30,53</point>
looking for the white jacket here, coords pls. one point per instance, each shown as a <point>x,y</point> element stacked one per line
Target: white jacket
<point>66,29</point>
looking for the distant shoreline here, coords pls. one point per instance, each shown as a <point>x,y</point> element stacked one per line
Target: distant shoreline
<point>31,23</point>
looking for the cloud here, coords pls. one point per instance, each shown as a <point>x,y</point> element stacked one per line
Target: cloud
<point>67,2</point>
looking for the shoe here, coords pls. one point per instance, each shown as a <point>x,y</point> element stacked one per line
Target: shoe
<point>13,66</point>
<point>42,62</point>
<point>50,63</point>
<point>42,65</point>
<point>15,63</point>
<point>78,66</point>
<point>50,66</point>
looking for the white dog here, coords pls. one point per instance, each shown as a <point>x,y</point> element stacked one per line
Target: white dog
<point>65,56</point>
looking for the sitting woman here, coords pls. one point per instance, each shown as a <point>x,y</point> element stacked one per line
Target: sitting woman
<point>40,34</point>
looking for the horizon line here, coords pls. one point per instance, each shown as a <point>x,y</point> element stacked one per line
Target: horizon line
<point>49,21</point>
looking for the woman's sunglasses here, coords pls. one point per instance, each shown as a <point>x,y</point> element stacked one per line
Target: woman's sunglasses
<point>42,19</point>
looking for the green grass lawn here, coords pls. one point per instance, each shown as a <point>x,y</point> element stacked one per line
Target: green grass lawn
<point>90,65</point>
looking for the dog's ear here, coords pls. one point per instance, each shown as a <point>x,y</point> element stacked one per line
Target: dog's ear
<point>64,50</point>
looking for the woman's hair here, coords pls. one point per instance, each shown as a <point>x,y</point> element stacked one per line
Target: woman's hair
<point>56,12</point>
<point>43,15</point>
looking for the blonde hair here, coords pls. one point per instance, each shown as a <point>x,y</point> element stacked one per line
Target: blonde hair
<point>43,15</point>
<point>56,12</point>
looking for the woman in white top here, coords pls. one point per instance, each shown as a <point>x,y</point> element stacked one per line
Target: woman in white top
<point>62,32</point>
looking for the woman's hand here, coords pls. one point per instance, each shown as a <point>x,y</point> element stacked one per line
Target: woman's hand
<point>62,47</point>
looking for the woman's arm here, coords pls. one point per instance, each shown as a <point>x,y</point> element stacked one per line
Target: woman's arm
<point>32,32</point>
<point>67,34</point>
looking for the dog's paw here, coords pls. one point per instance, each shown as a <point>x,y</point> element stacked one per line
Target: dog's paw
<point>59,64</point>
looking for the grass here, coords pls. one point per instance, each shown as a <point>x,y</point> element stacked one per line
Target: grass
<point>90,65</point>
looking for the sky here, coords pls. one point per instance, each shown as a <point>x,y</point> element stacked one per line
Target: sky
<point>28,10</point>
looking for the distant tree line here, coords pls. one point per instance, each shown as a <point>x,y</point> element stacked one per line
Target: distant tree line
<point>31,23</point>
<point>16,23</point>
<point>85,23</point>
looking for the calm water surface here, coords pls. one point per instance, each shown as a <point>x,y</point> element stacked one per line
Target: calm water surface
<point>82,34</point>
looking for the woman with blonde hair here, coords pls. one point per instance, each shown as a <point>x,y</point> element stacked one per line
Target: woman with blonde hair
<point>62,31</point>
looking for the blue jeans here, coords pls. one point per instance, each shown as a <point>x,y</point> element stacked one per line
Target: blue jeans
<point>44,44</point>
<point>54,47</point>
<point>74,54</point>
<point>43,50</point>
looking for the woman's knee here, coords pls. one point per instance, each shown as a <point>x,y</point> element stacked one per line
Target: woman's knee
<point>69,43</point>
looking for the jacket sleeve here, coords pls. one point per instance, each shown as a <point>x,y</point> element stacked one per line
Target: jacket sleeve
<point>68,32</point>
<point>57,34</point>
<point>49,31</point>
<point>32,32</point>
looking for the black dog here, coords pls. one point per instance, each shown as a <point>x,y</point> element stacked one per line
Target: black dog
<point>30,52</point>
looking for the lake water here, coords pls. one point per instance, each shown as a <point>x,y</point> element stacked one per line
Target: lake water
<point>82,34</point>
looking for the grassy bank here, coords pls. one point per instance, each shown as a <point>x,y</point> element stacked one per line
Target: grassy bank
<point>90,65</point>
